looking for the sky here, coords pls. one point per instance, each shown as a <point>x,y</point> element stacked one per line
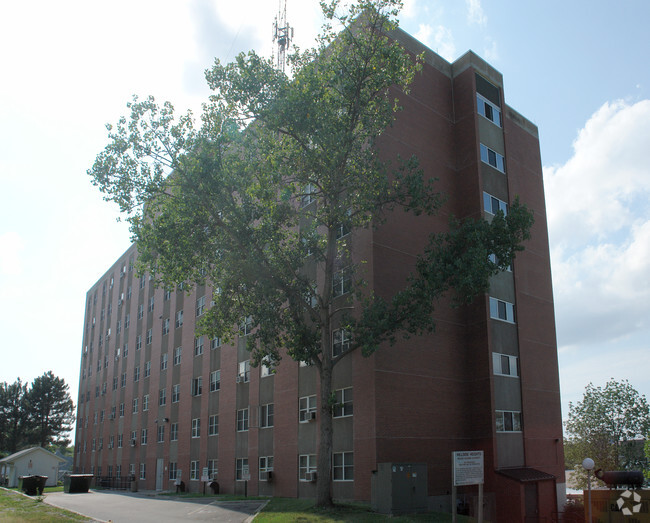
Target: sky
<point>578,70</point>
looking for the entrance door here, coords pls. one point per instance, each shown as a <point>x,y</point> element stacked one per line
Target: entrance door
<point>160,471</point>
<point>532,502</point>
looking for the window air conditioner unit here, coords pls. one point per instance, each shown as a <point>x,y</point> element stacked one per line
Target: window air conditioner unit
<point>119,303</point>
<point>311,476</point>
<point>311,416</point>
<point>134,442</point>
<point>239,379</point>
<point>266,476</point>
<point>111,417</point>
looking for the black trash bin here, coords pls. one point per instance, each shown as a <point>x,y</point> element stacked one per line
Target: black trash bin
<point>76,483</point>
<point>32,485</point>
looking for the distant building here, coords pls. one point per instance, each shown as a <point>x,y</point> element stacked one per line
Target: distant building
<point>158,403</point>
<point>33,461</point>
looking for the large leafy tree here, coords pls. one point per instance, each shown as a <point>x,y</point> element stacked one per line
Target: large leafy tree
<point>50,410</point>
<point>607,426</point>
<point>13,416</point>
<point>259,201</point>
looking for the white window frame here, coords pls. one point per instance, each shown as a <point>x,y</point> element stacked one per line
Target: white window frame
<point>491,204</point>
<point>340,342</point>
<point>215,380</point>
<point>266,465</point>
<point>481,103</point>
<point>266,415</point>
<point>200,306</point>
<point>508,418</point>
<point>344,406</point>
<point>198,346</point>
<point>343,466</point>
<point>176,392</point>
<point>173,432</point>
<point>178,351</point>
<point>342,282</point>
<point>143,471</point>
<point>161,433</point>
<point>493,158</point>
<point>213,425</point>
<point>498,360</point>
<point>196,428</point>
<point>306,405</point>
<point>502,310</point>
<point>306,464</point>
<point>241,465</point>
<point>244,371</point>
<point>242,420</point>
<point>197,386</point>
<point>194,470</point>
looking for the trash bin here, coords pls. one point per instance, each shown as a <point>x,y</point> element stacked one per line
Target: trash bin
<point>76,483</point>
<point>134,484</point>
<point>214,485</point>
<point>31,485</point>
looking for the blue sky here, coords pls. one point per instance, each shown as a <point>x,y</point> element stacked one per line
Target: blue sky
<point>579,70</point>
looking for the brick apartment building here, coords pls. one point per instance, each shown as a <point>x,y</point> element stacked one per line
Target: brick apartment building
<point>158,402</point>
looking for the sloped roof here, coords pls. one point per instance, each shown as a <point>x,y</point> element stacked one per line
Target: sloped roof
<point>526,474</point>
<point>21,453</point>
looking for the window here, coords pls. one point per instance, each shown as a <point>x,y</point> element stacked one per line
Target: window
<point>135,405</point>
<point>242,420</point>
<point>125,350</point>
<point>177,355</point>
<point>194,470</point>
<point>163,362</point>
<point>179,319</point>
<point>173,432</point>
<point>246,326</point>
<point>241,469</point>
<point>151,301</point>
<point>200,306</point>
<point>492,205</point>
<point>115,383</point>
<point>266,415</point>
<point>142,280</point>
<point>343,466</point>
<point>340,342</point>
<point>308,195</point>
<point>213,468</point>
<point>489,110</point>
<point>165,327</point>
<point>244,371</point>
<point>342,282</point>
<point>140,311</point>
<point>505,365</point>
<point>173,467</point>
<point>266,369</point>
<point>118,329</point>
<point>213,425</point>
<point>123,380</point>
<point>147,369</point>
<point>508,421</point>
<point>215,380</point>
<point>197,386</point>
<point>118,471</point>
<point>129,292</point>
<point>502,310</point>
<point>143,437</point>
<point>127,321</point>
<point>121,410</point>
<point>176,393</point>
<point>143,471</point>
<point>306,465</point>
<point>149,336</point>
<point>493,158</point>
<point>120,440</point>
<point>215,343</point>
<point>138,342</point>
<point>145,403</point>
<point>266,466</point>
<point>198,346</point>
<point>343,406</point>
<point>493,258</point>
<point>307,408</point>
<point>196,428</point>
<point>101,416</point>
<point>162,397</point>
<point>136,374</point>
<point>161,433</point>
<point>111,442</point>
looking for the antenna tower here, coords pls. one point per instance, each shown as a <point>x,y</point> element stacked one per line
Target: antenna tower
<point>282,35</point>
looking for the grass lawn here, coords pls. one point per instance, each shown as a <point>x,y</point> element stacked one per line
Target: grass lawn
<point>16,508</point>
<point>284,510</point>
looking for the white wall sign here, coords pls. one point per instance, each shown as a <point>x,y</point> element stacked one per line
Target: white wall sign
<point>468,467</point>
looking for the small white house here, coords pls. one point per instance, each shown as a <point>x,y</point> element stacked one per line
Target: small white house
<point>35,461</point>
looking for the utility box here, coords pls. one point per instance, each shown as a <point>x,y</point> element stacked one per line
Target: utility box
<point>399,488</point>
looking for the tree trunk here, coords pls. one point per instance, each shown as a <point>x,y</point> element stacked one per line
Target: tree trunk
<point>324,463</point>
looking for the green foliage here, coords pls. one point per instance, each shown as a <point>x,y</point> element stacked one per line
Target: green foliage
<point>41,414</point>
<point>259,199</point>
<point>606,426</point>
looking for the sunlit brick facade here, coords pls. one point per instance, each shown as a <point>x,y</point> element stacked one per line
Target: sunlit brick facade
<point>156,401</point>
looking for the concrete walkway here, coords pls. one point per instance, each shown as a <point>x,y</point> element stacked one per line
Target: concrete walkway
<point>144,507</point>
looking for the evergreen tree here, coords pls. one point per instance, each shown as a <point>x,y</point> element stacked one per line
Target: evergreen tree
<point>50,411</point>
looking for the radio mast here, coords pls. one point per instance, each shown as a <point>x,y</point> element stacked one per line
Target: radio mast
<point>282,35</point>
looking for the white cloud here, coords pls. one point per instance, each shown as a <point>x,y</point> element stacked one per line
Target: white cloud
<point>11,247</point>
<point>439,39</point>
<point>490,50</point>
<point>475,14</point>
<point>599,227</point>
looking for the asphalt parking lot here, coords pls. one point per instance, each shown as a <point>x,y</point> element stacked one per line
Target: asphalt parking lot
<point>121,507</point>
